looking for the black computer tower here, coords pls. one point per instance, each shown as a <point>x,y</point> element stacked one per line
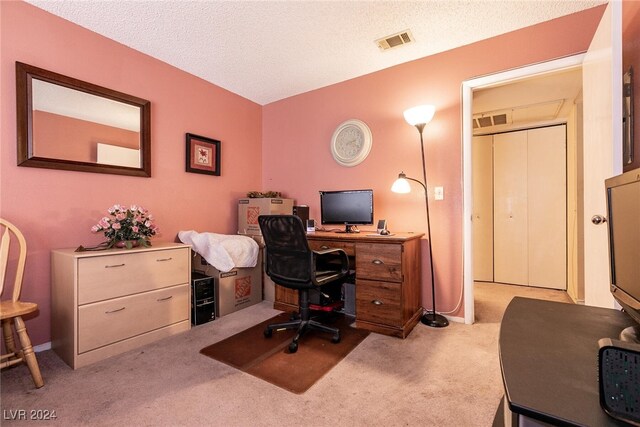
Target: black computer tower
<point>203,298</point>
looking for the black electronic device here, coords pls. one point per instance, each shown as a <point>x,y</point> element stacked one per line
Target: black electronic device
<point>382,226</point>
<point>302,212</point>
<point>623,223</point>
<point>203,298</point>
<point>348,207</point>
<point>619,379</point>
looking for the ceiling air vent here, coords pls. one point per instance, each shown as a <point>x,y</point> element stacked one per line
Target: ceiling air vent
<point>500,119</point>
<point>489,119</point>
<point>395,40</point>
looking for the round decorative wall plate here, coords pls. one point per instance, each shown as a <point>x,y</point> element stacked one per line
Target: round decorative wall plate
<point>351,142</point>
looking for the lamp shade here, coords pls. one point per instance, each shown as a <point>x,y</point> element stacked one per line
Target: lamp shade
<point>401,185</point>
<point>422,114</point>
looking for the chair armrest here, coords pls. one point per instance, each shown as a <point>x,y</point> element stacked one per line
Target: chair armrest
<point>333,254</point>
<point>328,251</point>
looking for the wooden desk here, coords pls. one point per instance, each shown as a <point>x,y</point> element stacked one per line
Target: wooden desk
<point>388,279</point>
<point>549,362</point>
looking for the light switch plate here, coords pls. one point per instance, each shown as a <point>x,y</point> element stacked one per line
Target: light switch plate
<point>438,193</point>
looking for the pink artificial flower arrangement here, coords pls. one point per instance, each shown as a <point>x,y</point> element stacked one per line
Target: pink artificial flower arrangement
<point>133,226</point>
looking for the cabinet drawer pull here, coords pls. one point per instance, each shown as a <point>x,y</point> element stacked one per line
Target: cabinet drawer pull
<point>164,259</point>
<point>114,311</point>
<point>114,265</point>
<point>165,298</point>
<point>377,262</point>
<point>376,302</point>
<point>324,247</point>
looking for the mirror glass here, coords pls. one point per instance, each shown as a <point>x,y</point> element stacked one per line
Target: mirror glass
<point>68,124</point>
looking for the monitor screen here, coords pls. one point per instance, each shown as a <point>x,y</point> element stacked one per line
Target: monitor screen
<point>623,219</point>
<point>350,207</point>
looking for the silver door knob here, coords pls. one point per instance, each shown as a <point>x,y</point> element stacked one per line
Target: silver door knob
<point>598,219</point>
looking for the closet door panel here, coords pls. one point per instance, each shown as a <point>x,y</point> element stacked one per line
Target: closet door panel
<point>510,208</point>
<point>547,195</point>
<point>482,158</point>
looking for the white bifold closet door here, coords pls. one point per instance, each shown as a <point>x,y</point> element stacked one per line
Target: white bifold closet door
<point>511,256</point>
<point>529,203</point>
<point>547,203</point>
<point>482,158</point>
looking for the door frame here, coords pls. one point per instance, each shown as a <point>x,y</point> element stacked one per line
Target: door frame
<point>467,136</point>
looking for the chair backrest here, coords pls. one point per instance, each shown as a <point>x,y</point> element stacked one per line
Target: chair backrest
<point>6,229</point>
<point>289,260</point>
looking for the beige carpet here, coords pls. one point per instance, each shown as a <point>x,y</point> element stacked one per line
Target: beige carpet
<point>492,298</point>
<point>435,377</point>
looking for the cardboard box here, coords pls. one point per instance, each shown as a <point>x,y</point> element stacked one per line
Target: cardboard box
<point>236,289</point>
<point>268,287</point>
<point>250,209</point>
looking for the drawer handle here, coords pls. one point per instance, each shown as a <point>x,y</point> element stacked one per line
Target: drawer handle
<point>377,262</point>
<point>114,311</point>
<point>164,259</point>
<point>165,298</point>
<point>376,302</point>
<point>114,265</point>
<point>324,247</point>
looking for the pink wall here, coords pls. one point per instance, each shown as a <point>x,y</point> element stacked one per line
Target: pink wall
<point>56,209</point>
<point>631,58</point>
<point>61,137</point>
<point>297,132</point>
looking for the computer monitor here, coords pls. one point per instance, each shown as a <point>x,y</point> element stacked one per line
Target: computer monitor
<point>623,219</point>
<point>348,207</point>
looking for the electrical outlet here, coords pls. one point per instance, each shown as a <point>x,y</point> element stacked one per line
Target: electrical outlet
<point>438,193</point>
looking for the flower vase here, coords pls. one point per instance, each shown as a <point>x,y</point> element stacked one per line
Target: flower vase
<point>127,244</point>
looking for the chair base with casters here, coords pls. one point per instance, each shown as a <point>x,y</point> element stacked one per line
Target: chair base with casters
<point>11,311</point>
<point>303,323</point>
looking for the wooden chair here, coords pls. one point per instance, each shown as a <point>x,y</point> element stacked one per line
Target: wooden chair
<point>14,309</point>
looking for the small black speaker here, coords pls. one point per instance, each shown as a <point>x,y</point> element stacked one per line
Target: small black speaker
<point>302,212</point>
<point>619,379</point>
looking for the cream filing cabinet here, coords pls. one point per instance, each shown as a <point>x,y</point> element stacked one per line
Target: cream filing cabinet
<point>108,302</point>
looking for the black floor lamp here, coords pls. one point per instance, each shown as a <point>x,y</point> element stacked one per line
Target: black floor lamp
<point>419,116</point>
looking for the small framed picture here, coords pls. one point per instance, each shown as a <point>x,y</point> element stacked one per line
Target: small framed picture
<point>203,155</point>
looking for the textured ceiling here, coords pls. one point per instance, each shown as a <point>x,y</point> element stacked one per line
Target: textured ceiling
<point>269,50</point>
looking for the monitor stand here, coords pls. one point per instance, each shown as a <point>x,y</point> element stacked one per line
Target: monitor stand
<point>348,228</point>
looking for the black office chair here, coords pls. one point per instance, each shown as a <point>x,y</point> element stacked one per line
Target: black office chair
<point>292,264</point>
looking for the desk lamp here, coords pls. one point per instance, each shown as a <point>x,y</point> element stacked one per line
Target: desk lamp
<point>419,116</point>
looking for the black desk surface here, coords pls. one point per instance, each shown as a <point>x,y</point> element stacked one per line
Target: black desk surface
<point>549,359</point>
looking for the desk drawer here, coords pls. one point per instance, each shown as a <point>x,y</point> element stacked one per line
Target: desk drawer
<point>379,261</point>
<point>114,275</point>
<point>379,302</point>
<point>110,321</point>
<point>319,245</point>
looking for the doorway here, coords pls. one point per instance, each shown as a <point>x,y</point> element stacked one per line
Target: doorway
<point>496,80</point>
<point>524,176</point>
<point>602,149</point>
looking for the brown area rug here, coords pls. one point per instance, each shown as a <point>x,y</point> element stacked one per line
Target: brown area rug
<point>269,358</point>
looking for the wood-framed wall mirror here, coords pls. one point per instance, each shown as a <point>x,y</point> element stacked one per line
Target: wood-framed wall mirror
<point>69,124</point>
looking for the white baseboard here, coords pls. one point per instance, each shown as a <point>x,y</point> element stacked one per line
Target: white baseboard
<point>455,319</point>
<point>42,347</point>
